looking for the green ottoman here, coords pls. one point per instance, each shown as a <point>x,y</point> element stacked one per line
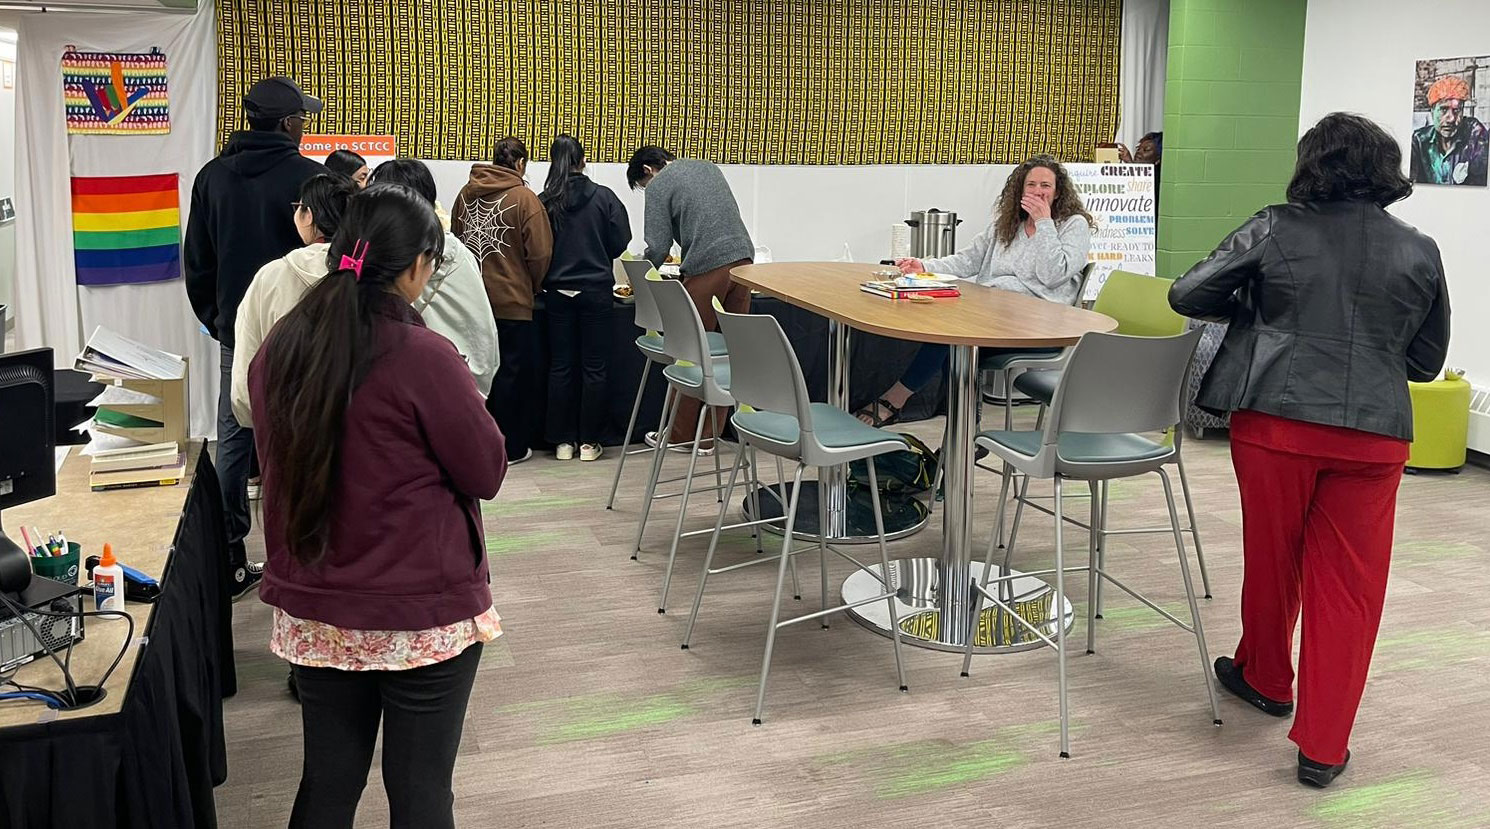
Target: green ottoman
<point>1440,423</point>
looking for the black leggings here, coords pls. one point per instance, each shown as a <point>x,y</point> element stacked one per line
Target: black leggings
<point>422,711</point>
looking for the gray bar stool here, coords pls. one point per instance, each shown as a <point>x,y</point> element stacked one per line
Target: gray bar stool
<point>697,373</point>
<point>784,422</point>
<point>650,344</point>
<point>1140,305</point>
<point>1113,388</point>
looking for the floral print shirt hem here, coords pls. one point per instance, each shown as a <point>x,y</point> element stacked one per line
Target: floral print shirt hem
<point>313,644</point>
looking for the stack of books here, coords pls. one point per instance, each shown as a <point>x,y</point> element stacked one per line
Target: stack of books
<point>139,427</point>
<point>155,464</point>
<point>908,287</point>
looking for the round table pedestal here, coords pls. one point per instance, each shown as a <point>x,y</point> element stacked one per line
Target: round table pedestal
<point>919,607</point>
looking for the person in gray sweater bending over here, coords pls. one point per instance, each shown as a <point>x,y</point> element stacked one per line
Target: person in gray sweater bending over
<point>690,202</point>
<point>1036,245</point>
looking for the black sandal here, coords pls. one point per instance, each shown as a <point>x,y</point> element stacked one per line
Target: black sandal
<point>873,412</point>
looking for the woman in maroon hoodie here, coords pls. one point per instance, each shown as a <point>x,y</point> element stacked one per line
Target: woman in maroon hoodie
<point>376,449</point>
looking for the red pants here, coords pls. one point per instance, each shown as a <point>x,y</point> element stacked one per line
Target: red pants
<point>1317,532</point>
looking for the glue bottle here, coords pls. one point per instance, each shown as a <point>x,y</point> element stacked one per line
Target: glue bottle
<point>108,582</point>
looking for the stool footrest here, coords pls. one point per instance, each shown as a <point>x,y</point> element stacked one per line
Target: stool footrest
<point>839,609</point>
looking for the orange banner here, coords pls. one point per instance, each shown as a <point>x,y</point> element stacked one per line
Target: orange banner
<point>374,148</point>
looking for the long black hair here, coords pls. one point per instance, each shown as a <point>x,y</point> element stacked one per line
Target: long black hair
<point>318,354</point>
<point>1347,157</point>
<point>566,156</point>
<point>345,162</point>
<point>325,195</point>
<point>411,173</point>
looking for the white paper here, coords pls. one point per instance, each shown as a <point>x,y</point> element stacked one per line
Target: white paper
<point>102,441</point>
<point>62,456</point>
<point>121,396</point>
<point>136,450</point>
<point>900,241</point>
<point>130,357</point>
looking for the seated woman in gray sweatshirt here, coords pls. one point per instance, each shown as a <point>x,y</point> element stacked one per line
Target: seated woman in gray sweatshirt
<point>1036,245</point>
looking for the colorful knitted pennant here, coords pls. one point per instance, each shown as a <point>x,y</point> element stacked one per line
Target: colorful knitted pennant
<point>121,94</point>
<point>126,229</point>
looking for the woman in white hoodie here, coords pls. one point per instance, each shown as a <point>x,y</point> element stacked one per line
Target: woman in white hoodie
<point>454,302</point>
<point>279,285</point>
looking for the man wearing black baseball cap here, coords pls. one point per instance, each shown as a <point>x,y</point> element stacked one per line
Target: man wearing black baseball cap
<point>243,216</point>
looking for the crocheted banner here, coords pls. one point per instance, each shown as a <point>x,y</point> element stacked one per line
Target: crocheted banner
<point>115,94</point>
<point>746,81</point>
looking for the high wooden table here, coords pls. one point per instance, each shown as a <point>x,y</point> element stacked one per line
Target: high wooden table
<point>937,590</point>
<point>150,751</point>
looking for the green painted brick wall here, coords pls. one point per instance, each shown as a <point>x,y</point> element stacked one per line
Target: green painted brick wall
<point>1231,119</point>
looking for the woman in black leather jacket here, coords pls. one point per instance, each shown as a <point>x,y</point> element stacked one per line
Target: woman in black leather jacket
<point>1334,305</point>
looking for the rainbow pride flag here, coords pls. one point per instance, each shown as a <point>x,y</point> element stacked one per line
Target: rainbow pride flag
<point>126,229</point>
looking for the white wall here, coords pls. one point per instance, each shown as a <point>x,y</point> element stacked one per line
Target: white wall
<point>1359,56</point>
<point>810,213</point>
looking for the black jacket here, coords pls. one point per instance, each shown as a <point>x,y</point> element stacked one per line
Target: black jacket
<point>1333,307</point>
<point>241,218</point>
<point>589,233</point>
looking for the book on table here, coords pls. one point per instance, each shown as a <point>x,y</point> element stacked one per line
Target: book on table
<point>128,458</point>
<point>907,287</point>
<point>169,473</point>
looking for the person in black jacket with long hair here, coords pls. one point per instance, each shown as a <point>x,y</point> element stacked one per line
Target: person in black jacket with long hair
<point>1334,306</point>
<point>590,229</point>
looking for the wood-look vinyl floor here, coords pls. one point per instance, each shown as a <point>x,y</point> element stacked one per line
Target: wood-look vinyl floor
<point>586,713</point>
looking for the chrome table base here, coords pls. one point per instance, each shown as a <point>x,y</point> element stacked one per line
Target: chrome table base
<point>925,622</point>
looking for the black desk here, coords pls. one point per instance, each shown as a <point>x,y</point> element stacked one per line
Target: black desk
<point>154,760</point>
<point>877,362</point>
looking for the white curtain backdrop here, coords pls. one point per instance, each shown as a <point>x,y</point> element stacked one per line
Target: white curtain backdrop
<point>50,308</point>
<point>1142,66</point>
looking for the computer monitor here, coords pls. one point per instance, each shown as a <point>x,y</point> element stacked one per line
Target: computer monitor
<point>27,442</point>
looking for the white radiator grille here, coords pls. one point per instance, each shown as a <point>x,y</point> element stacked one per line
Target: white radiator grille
<point>1479,420</point>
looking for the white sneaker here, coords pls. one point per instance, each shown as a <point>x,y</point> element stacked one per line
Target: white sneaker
<point>565,452</point>
<point>681,448</point>
<point>591,452</point>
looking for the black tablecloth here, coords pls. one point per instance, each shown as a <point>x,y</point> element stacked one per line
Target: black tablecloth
<point>875,364</point>
<point>154,763</point>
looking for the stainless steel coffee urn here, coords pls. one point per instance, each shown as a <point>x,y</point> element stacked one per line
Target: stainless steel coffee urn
<point>933,233</point>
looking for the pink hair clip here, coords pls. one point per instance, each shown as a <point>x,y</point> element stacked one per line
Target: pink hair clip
<point>354,262</point>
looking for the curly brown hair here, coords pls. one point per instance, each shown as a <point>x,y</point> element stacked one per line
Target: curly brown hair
<point>1011,215</point>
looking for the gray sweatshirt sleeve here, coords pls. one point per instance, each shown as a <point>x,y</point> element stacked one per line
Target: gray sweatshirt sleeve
<point>1060,252</point>
<point>966,263</point>
<point>659,223</point>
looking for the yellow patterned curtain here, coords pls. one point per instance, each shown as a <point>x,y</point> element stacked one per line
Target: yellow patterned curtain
<point>733,81</point>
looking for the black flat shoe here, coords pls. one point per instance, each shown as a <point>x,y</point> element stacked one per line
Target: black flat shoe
<point>1231,679</point>
<point>1319,775</point>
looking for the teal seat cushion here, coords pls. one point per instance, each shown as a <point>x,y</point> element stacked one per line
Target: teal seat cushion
<point>834,428</point>
<point>997,359</point>
<point>653,343</point>
<point>693,376</point>
<point>1084,447</point>
<point>1038,385</point>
